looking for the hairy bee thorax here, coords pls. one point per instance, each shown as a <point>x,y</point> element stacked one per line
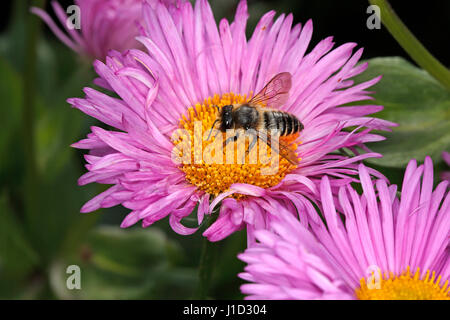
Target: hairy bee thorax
<point>246,117</point>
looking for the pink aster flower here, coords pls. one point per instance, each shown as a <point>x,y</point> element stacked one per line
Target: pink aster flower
<point>372,246</point>
<point>193,66</point>
<point>446,174</point>
<point>104,25</point>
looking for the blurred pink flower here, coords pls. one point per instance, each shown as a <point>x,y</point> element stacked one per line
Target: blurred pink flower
<point>377,233</point>
<point>105,25</point>
<point>192,65</point>
<point>446,174</point>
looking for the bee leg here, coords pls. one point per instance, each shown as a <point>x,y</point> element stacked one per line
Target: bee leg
<point>234,138</point>
<point>212,127</point>
<point>252,143</point>
<point>231,139</point>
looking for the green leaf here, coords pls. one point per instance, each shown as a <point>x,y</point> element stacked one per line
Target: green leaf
<point>58,210</point>
<point>12,44</point>
<point>11,92</point>
<point>418,103</point>
<point>125,264</point>
<point>17,257</point>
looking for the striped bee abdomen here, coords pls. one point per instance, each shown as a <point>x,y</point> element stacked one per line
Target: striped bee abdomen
<point>284,122</point>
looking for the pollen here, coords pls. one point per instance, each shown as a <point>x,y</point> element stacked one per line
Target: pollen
<point>213,165</point>
<point>406,286</point>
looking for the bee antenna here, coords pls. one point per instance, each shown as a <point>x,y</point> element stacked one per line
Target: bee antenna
<point>212,127</point>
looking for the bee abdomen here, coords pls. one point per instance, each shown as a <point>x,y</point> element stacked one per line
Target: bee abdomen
<point>284,122</point>
<point>270,122</point>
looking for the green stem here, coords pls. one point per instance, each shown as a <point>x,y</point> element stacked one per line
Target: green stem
<point>28,111</point>
<point>207,260</point>
<point>410,43</point>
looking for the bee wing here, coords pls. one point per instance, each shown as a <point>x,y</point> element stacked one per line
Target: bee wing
<point>283,149</point>
<point>276,91</point>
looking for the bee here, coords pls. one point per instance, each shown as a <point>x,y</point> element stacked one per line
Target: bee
<point>260,120</point>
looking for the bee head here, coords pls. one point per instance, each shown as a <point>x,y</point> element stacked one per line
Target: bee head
<point>226,117</point>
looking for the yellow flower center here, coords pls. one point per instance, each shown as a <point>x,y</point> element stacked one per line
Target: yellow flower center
<point>214,166</point>
<point>404,287</point>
